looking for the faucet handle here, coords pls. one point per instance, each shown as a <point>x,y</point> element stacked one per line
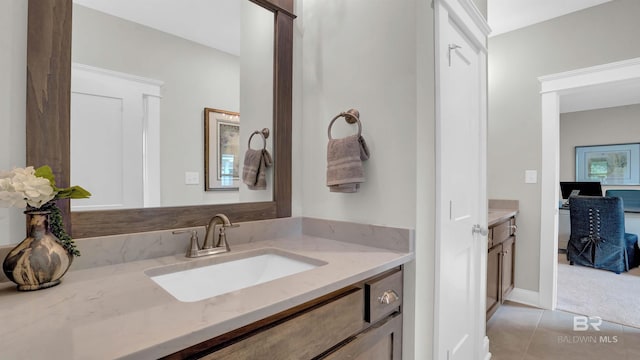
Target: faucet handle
<point>194,245</point>
<point>222,237</point>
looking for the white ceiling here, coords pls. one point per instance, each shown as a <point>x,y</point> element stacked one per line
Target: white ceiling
<point>602,96</point>
<point>213,23</point>
<point>507,15</point>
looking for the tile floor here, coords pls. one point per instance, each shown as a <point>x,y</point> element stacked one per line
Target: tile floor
<point>519,332</point>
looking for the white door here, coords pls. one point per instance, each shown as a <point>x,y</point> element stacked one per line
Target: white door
<point>461,188</point>
<point>114,139</point>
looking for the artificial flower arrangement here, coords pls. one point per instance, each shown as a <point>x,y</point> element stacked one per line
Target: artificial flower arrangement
<point>35,189</point>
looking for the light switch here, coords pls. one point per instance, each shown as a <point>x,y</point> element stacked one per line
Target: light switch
<point>191,178</point>
<point>530,176</point>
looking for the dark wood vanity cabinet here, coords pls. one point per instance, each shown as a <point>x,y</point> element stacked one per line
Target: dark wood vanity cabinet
<point>382,341</point>
<point>382,335</point>
<point>361,321</point>
<point>500,263</point>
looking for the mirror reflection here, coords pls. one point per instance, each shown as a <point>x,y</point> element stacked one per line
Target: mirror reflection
<point>143,74</point>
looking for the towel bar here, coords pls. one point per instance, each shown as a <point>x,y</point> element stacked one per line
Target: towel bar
<point>351,116</point>
<point>265,135</point>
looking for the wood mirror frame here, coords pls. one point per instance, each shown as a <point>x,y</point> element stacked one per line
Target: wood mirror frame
<point>48,126</point>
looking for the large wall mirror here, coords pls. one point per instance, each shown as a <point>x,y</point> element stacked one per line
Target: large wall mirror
<point>143,81</point>
<point>255,81</point>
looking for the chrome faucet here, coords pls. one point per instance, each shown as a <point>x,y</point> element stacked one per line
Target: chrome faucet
<point>208,247</point>
<point>223,220</point>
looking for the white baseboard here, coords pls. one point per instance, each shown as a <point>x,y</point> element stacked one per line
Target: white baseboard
<point>485,349</point>
<point>526,297</point>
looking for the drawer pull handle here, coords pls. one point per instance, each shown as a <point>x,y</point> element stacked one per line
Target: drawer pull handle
<point>388,297</point>
<point>514,228</point>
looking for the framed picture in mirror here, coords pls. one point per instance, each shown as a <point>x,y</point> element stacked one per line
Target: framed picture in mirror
<point>221,150</point>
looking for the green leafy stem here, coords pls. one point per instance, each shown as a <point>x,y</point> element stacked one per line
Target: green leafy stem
<point>73,192</point>
<point>56,222</point>
<point>56,225</point>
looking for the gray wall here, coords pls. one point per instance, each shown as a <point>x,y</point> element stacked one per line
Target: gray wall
<point>361,56</point>
<point>617,125</point>
<point>377,57</point>
<point>597,35</point>
<point>13,95</point>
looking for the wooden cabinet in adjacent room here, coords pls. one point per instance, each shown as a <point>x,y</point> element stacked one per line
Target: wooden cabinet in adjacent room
<point>500,263</point>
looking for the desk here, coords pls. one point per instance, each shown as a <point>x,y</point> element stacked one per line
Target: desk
<point>631,224</point>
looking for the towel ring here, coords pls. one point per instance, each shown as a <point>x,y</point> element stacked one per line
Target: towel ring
<point>264,133</point>
<point>351,116</point>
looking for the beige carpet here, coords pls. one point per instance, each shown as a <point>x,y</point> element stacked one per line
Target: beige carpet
<point>586,291</point>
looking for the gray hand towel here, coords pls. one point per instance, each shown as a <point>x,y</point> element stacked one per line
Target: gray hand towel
<point>344,163</point>
<point>254,171</point>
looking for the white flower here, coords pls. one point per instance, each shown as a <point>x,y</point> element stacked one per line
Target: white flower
<point>20,187</point>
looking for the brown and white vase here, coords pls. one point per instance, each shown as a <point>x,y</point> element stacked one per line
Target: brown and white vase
<point>40,260</point>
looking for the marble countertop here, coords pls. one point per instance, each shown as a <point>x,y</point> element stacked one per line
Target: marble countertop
<point>116,311</point>
<point>499,215</point>
<point>501,210</point>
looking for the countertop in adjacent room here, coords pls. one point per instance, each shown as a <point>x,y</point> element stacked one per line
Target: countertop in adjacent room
<point>501,210</point>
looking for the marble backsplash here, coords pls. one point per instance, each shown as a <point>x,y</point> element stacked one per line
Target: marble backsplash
<point>116,249</point>
<point>396,239</point>
<point>504,204</point>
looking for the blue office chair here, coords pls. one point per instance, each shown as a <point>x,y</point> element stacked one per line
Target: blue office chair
<point>598,237</point>
<point>630,198</point>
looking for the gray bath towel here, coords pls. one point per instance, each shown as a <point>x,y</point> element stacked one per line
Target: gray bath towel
<point>254,171</point>
<point>344,163</point>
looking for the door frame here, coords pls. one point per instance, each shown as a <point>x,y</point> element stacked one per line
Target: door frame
<point>553,87</point>
<point>472,23</point>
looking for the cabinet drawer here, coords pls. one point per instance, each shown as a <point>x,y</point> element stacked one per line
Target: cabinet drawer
<point>383,295</point>
<point>382,341</point>
<point>502,231</point>
<point>305,336</point>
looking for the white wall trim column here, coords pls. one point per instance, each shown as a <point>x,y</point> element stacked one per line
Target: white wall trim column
<point>549,198</point>
<point>151,151</point>
<point>552,88</point>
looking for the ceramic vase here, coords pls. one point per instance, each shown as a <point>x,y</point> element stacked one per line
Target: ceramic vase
<point>40,260</point>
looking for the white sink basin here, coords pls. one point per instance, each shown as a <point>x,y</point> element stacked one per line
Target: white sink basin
<point>217,275</point>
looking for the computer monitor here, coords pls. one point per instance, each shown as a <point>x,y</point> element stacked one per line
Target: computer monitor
<point>585,188</point>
